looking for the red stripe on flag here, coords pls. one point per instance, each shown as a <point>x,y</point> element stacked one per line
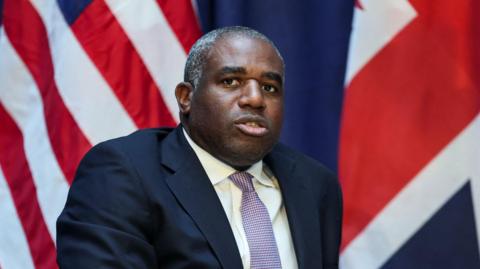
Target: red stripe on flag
<point>182,20</point>
<point>406,105</point>
<point>29,38</point>
<point>114,55</point>
<point>20,182</point>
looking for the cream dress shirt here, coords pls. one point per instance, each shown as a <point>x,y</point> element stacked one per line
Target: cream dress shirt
<point>266,185</point>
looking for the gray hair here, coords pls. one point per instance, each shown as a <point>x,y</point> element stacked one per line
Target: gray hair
<point>199,51</point>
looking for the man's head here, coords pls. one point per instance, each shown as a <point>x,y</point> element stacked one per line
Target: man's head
<point>231,102</point>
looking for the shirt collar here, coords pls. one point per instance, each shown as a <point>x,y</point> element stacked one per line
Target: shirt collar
<point>217,170</point>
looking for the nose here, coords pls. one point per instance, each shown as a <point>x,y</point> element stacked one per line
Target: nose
<point>252,95</point>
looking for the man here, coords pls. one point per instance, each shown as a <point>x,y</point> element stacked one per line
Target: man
<point>218,191</point>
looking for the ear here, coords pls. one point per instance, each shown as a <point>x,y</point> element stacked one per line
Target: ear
<point>184,93</point>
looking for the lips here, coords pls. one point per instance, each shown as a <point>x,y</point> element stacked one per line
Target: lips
<point>252,126</point>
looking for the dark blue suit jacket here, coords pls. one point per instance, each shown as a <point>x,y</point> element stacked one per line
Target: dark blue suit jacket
<point>144,201</point>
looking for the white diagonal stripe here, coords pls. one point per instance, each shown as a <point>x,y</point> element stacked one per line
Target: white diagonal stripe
<point>409,210</point>
<point>373,27</point>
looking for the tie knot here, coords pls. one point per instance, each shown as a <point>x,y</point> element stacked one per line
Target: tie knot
<point>243,180</point>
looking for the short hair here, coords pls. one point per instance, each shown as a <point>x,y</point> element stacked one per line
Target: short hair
<point>199,51</point>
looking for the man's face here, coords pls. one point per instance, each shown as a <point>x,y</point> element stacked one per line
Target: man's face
<point>236,111</point>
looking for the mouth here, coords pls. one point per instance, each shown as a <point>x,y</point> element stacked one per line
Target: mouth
<point>252,126</point>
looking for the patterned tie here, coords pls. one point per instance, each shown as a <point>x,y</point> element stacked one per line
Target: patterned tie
<point>257,225</point>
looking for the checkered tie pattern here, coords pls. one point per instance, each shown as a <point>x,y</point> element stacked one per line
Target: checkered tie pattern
<point>257,225</point>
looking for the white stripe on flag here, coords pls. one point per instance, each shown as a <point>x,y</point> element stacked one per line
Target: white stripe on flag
<point>156,44</point>
<point>451,169</point>
<point>373,27</point>
<point>20,97</point>
<point>14,251</point>
<point>86,94</point>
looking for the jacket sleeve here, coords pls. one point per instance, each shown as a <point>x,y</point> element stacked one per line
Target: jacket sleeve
<point>106,222</point>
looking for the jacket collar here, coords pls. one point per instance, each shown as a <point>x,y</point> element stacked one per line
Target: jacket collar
<point>191,186</point>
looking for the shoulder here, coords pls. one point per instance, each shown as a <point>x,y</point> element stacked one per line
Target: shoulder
<point>135,151</point>
<point>120,166</point>
<point>140,142</point>
<point>137,140</point>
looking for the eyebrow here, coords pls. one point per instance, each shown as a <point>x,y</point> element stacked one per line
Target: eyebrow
<point>273,76</point>
<point>241,70</point>
<point>232,70</point>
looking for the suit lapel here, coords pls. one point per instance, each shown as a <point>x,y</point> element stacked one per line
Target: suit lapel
<point>299,206</point>
<point>194,191</point>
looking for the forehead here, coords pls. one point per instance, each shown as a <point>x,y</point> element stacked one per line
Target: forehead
<point>251,53</point>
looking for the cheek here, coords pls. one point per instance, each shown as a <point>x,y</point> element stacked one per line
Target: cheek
<point>203,107</point>
<point>275,113</point>
<point>215,115</point>
<point>223,108</point>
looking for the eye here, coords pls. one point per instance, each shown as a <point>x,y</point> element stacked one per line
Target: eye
<point>231,82</point>
<point>269,88</point>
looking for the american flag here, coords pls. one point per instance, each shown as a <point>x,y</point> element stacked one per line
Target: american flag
<point>74,73</point>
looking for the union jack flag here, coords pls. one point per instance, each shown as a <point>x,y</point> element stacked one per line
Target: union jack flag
<point>410,143</point>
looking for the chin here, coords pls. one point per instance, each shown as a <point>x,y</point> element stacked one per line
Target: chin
<point>240,166</point>
<point>244,156</point>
